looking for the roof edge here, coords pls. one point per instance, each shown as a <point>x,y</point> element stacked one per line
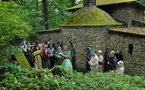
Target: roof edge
<point>49,30</point>
<point>91,25</point>
<point>81,5</point>
<point>127,32</point>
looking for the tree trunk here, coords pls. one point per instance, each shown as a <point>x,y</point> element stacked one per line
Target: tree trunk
<point>73,2</point>
<point>45,13</point>
<point>5,0</point>
<point>37,4</point>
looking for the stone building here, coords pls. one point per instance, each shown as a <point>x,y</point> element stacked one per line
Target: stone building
<point>111,22</point>
<point>122,10</point>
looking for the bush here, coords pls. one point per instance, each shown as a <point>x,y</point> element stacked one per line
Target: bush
<point>15,77</point>
<point>13,26</point>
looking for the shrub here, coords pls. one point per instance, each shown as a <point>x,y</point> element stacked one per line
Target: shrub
<point>15,77</point>
<point>13,26</point>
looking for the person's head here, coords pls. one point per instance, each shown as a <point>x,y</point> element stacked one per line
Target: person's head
<point>120,63</point>
<point>89,49</point>
<point>35,48</point>
<point>112,53</point>
<point>45,47</point>
<point>58,43</point>
<point>99,52</point>
<point>28,49</point>
<point>38,48</point>
<point>71,44</point>
<point>51,46</point>
<point>108,46</point>
<point>61,42</point>
<point>65,48</point>
<point>50,40</point>
<point>59,49</point>
<point>93,53</point>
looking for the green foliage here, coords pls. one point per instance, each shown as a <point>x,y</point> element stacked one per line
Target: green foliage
<point>142,1</point>
<point>13,26</point>
<point>57,14</point>
<point>6,52</point>
<point>58,70</point>
<point>34,13</point>
<point>12,23</point>
<point>14,77</point>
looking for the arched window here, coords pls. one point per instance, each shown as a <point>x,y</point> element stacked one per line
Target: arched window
<point>130,49</point>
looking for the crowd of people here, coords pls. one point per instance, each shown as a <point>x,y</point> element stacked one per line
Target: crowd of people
<point>47,54</point>
<point>109,61</point>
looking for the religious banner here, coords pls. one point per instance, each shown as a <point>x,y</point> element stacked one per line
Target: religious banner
<point>22,60</point>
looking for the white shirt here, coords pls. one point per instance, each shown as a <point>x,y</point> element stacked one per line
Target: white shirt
<point>101,58</point>
<point>94,61</point>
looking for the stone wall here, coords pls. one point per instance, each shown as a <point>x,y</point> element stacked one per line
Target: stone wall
<point>127,13</point>
<point>82,37</point>
<point>135,63</point>
<point>98,38</point>
<point>46,35</point>
<point>86,37</point>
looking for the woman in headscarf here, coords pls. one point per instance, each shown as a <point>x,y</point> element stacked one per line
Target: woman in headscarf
<point>66,55</point>
<point>120,68</point>
<point>88,57</point>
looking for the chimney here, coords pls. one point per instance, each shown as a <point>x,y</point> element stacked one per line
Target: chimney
<point>89,3</point>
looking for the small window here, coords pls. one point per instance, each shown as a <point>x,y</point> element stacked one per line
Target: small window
<point>130,49</point>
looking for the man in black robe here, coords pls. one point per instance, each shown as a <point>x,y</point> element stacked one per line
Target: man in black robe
<point>106,56</point>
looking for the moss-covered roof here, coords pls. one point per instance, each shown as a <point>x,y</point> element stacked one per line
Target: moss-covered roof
<point>105,2</point>
<point>143,22</point>
<point>91,17</point>
<point>136,31</point>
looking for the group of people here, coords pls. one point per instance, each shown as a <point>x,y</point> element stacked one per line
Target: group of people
<point>110,61</point>
<point>49,53</point>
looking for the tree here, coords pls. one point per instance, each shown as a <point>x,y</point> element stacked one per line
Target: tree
<point>57,14</point>
<point>13,26</point>
<point>45,13</point>
<point>73,2</point>
<point>142,1</point>
<point>37,4</point>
